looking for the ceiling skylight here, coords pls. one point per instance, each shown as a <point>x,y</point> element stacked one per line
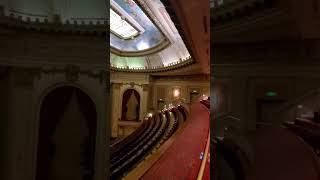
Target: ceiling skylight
<point>121,27</point>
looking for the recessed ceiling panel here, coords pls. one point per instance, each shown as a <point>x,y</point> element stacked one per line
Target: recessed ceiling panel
<point>121,27</point>
<point>132,30</point>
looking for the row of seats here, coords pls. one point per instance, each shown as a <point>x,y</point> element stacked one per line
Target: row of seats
<point>206,102</point>
<point>172,126</point>
<point>131,152</point>
<point>153,132</point>
<point>309,131</point>
<point>120,144</point>
<point>229,160</point>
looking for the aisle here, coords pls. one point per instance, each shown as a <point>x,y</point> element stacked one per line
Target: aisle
<point>182,160</point>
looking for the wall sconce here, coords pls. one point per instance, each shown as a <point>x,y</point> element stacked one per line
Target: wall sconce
<point>176,93</point>
<point>205,97</point>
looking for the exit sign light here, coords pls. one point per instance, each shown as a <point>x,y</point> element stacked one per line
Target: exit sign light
<point>271,93</point>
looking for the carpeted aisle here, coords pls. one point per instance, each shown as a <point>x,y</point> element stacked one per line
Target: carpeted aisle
<point>182,160</point>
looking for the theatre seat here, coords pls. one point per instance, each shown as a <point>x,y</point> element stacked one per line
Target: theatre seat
<point>153,132</point>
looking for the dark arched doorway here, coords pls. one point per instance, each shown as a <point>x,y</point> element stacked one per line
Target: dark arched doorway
<point>130,105</point>
<point>67,136</point>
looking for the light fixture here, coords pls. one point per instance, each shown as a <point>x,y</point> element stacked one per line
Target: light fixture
<point>142,45</point>
<point>176,93</point>
<point>271,93</point>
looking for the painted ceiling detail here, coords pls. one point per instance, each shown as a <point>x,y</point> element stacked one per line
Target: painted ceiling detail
<point>121,27</point>
<point>143,36</point>
<point>132,31</point>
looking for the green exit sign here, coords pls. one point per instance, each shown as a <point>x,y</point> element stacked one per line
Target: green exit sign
<point>271,93</point>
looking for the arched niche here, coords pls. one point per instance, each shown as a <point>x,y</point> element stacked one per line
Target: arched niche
<point>67,135</point>
<point>131,105</point>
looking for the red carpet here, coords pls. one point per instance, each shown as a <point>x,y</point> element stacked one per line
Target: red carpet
<point>182,160</point>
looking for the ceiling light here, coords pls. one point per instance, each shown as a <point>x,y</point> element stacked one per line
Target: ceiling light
<point>176,93</point>
<point>142,45</point>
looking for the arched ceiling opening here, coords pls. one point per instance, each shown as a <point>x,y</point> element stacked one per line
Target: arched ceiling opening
<point>143,36</point>
<point>132,30</point>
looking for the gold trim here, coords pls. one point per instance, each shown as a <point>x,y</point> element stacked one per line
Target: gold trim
<point>204,161</point>
<point>178,65</point>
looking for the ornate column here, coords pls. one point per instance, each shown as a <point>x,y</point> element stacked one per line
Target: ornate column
<point>144,102</point>
<point>115,107</point>
<point>21,144</point>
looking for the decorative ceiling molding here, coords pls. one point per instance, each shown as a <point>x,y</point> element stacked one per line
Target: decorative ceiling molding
<point>48,19</point>
<point>149,38</point>
<point>178,65</point>
<point>116,10</point>
<point>175,20</point>
<point>161,46</point>
<point>146,8</point>
<point>169,52</point>
<point>53,27</point>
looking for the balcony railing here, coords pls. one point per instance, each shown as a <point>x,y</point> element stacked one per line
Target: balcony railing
<point>170,66</point>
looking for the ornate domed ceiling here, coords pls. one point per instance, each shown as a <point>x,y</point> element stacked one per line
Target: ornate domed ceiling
<point>143,36</point>
<point>133,33</point>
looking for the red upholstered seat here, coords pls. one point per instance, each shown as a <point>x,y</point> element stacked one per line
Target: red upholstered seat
<point>281,155</point>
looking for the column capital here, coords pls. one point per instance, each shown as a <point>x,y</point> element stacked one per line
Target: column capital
<point>145,87</point>
<point>116,85</point>
<point>25,76</point>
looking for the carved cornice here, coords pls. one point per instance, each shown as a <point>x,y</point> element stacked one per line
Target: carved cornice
<point>173,15</point>
<point>25,76</point>
<point>150,14</point>
<point>56,26</point>
<point>155,69</point>
<point>195,78</point>
<point>145,87</point>
<point>72,72</point>
<point>291,51</point>
<point>116,85</point>
<point>161,46</point>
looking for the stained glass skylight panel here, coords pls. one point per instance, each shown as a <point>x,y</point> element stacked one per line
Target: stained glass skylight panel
<point>121,27</point>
